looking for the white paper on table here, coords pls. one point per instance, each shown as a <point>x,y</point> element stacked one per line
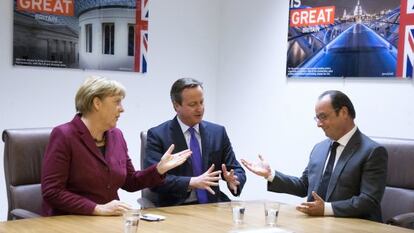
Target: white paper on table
<point>262,230</point>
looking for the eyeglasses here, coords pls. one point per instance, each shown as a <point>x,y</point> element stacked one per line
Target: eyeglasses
<point>323,116</point>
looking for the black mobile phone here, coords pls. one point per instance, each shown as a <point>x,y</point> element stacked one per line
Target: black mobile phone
<point>151,218</point>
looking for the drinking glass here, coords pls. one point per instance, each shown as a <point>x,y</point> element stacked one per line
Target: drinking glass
<point>131,220</point>
<point>271,212</point>
<point>238,209</point>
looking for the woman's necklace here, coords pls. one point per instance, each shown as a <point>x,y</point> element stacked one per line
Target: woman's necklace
<point>100,141</point>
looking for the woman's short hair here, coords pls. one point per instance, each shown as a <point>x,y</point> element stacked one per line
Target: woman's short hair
<point>96,86</point>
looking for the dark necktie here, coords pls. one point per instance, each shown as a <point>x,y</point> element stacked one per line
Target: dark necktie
<point>197,164</point>
<point>323,186</point>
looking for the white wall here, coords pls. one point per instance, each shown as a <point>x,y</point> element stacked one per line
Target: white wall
<point>183,37</point>
<point>266,113</point>
<point>238,49</point>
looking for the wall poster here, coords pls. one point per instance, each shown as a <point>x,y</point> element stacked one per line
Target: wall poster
<point>350,38</point>
<point>82,34</point>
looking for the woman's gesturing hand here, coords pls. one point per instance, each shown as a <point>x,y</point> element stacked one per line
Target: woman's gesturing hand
<point>169,161</point>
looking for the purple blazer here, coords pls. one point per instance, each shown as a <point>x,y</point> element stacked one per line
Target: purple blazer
<point>76,176</point>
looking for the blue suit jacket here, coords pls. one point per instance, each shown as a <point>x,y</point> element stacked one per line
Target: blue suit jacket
<point>357,183</point>
<point>216,149</point>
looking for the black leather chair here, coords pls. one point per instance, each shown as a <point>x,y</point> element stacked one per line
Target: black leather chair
<point>398,202</point>
<point>148,198</point>
<point>23,154</point>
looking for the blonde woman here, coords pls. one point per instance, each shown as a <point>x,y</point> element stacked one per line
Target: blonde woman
<point>86,160</point>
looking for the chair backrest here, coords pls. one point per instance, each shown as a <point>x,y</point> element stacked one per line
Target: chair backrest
<point>399,192</point>
<point>147,193</point>
<point>23,154</point>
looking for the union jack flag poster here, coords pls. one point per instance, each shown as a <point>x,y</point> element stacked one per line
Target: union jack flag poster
<point>82,34</point>
<point>350,38</point>
<point>406,56</point>
<point>141,36</point>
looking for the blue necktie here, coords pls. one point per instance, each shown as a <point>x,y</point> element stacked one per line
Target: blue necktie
<point>197,164</point>
<point>323,186</point>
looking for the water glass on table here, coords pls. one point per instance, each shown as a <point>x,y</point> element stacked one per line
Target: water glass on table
<point>271,212</point>
<point>238,208</point>
<point>131,220</point>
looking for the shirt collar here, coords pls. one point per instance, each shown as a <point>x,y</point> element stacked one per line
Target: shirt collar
<point>345,139</point>
<point>185,127</point>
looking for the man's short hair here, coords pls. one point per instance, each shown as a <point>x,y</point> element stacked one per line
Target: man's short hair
<point>181,84</point>
<point>339,100</point>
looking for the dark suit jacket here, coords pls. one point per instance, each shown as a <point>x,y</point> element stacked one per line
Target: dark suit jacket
<point>76,176</point>
<point>216,149</point>
<point>357,183</point>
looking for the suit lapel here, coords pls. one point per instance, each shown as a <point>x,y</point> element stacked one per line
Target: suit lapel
<point>320,162</point>
<point>205,155</point>
<point>86,138</point>
<point>177,137</point>
<point>205,141</point>
<point>111,141</point>
<point>347,153</point>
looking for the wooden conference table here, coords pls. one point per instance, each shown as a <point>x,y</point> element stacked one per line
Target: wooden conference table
<point>208,218</point>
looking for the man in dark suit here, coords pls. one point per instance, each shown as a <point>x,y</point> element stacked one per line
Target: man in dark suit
<point>195,181</point>
<point>346,173</point>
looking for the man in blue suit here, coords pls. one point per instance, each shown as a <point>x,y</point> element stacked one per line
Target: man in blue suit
<point>195,181</point>
<point>346,173</point>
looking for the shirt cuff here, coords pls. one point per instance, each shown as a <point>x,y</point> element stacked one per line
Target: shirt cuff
<point>328,209</point>
<point>271,177</point>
